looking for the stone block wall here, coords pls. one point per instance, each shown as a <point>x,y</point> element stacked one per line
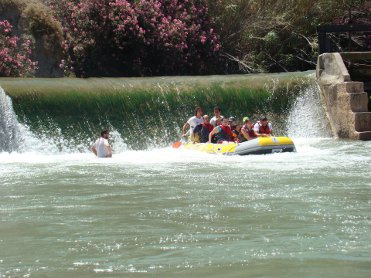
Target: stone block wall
<point>344,100</point>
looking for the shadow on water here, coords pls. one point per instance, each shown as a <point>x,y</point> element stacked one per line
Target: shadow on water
<point>142,113</point>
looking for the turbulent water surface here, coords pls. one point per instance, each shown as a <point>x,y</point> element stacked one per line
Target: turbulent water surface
<point>173,213</point>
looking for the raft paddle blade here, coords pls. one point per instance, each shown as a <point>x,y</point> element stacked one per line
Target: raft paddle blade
<point>177,144</point>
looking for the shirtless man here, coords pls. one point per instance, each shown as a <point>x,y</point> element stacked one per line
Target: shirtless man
<point>101,147</point>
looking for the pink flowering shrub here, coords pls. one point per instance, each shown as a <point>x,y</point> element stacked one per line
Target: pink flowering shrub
<point>141,37</point>
<point>14,53</point>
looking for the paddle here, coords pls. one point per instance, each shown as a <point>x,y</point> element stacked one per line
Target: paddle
<point>177,144</point>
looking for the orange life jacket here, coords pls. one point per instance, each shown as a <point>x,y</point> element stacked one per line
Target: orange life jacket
<point>264,129</point>
<point>225,133</point>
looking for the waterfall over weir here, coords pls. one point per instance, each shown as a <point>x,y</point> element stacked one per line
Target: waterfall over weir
<point>66,115</point>
<point>307,118</point>
<point>9,126</point>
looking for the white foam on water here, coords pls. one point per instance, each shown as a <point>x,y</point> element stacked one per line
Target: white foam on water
<point>306,125</point>
<point>307,118</point>
<point>9,126</point>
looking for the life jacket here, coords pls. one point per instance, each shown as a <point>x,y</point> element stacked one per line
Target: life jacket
<point>235,135</point>
<point>251,133</point>
<point>225,133</point>
<point>204,133</point>
<point>264,129</point>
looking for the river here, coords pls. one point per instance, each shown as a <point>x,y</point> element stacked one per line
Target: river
<point>164,212</point>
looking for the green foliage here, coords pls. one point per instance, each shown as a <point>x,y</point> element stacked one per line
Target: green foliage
<point>40,23</point>
<point>276,35</point>
<point>255,35</point>
<point>31,18</point>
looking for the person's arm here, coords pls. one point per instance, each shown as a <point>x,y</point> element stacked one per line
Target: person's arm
<point>270,129</point>
<point>257,134</point>
<point>108,148</point>
<point>185,126</point>
<point>245,134</point>
<point>256,131</point>
<point>94,150</point>
<point>109,151</point>
<point>211,134</point>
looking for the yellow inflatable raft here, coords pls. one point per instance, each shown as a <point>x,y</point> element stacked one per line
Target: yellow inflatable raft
<point>261,145</point>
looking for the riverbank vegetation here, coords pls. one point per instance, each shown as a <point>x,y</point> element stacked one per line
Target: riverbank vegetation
<point>36,38</point>
<point>280,35</point>
<point>166,37</point>
<point>137,38</point>
<point>14,52</point>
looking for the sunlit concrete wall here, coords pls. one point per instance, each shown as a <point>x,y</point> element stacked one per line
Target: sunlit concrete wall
<point>344,100</point>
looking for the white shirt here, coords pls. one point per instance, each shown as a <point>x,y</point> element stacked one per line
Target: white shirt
<point>213,120</point>
<point>193,122</point>
<point>101,146</point>
<point>257,127</point>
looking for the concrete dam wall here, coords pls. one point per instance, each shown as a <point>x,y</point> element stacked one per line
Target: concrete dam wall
<point>345,100</point>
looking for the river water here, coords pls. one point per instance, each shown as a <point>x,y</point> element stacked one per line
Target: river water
<point>167,212</point>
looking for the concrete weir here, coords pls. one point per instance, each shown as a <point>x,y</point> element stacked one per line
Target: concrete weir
<point>345,101</point>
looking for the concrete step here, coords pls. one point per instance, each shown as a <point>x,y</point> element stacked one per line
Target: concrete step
<point>351,87</point>
<point>364,135</point>
<point>358,102</point>
<point>362,121</point>
<point>367,86</point>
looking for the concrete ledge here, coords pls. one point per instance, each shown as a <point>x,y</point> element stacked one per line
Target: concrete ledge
<point>353,87</point>
<point>365,136</point>
<point>355,55</point>
<point>331,69</point>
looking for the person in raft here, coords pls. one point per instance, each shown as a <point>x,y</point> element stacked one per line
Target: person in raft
<point>205,129</point>
<point>235,128</point>
<point>223,132</point>
<point>263,127</point>
<point>247,131</point>
<point>192,123</point>
<point>217,117</point>
<point>101,147</point>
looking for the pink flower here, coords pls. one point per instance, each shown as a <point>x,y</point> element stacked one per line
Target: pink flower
<point>172,28</point>
<point>13,56</point>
